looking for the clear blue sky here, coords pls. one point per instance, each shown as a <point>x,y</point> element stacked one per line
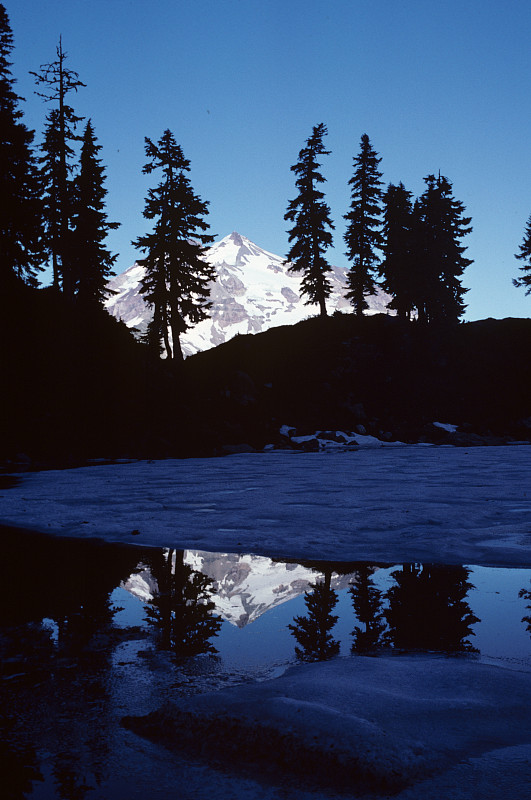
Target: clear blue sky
<point>436,86</point>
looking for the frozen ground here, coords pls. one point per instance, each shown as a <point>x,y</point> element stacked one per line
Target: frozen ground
<point>423,726</point>
<point>444,504</point>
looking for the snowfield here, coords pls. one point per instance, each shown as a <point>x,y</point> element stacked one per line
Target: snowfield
<point>409,503</point>
<point>409,726</point>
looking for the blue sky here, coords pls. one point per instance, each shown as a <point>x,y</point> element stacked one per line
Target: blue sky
<point>436,86</point>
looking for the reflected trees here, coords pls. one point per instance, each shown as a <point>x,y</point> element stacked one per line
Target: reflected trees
<point>313,631</point>
<point>428,609</point>
<point>181,610</point>
<point>367,603</point>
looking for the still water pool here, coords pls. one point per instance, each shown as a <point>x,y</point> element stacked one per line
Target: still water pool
<point>91,632</point>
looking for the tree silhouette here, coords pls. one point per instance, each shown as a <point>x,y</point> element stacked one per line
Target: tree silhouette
<point>93,262</point>
<point>181,611</point>
<point>58,81</point>
<point>313,631</point>
<point>363,235</point>
<point>367,603</point>
<point>428,609</point>
<point>177,275</point>
<point>439,227</point>
<point>21,218</point>
<point>397,266</point>
<point>311,218</point>
<point>525,256</point>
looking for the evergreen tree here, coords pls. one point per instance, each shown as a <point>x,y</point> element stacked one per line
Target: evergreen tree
<point>50,168</point>
<point>367,603</point>
<point>59,81</point>
<point>525,256</point>
<point>93,262</point>
<point>182,610</point>
<point>363,235</point>
<point>313,632</point>
<point>428,609</point>
<point>440,225</point>
<point>21,225</point>
<point>177,275</point>
<point>311,218</point>
<point>397,268</point>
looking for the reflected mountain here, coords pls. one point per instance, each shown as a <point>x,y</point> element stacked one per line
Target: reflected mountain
<point>245,586</point>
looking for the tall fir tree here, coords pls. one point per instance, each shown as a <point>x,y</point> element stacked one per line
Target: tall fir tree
<point>397,266</point>
<point>313,631</point>
<point>91,260</point>
<point>525,256</point>
<point>310,214</point>
<point>177,277</point>
<point>363,235</point>
<point>21,218</point>
<point>58,81</point>
<point>50,165</point>
<point>440,225</point>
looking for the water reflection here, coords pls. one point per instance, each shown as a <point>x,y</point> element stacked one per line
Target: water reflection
<point>180,610</point>
<point>367,602</point>
<point>91,632</point>
<point>428,609</point>
<point>526,594</point>
<point>313,631</point>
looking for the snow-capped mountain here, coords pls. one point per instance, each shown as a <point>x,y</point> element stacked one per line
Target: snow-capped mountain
<point>253,291</point>
<point>245,586</point>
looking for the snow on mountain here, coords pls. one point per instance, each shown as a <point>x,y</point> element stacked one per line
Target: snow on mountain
<point>253,291</point>
<point>245,586</point>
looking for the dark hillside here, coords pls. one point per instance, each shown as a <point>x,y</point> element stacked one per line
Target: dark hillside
<point>76,384</point>
<point>389,375</point>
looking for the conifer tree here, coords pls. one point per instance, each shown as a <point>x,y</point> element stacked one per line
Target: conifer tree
<point>313,632</point>
<point>311,217</point>
<point>440,225</point>
<point>21,223</point>
<point>177,275</point>
<point>363,235</point>
<point>525,256</point>
<point>397,266</point>
<point>50,170</point>
<point>58,82</point>
<point>92,261</point>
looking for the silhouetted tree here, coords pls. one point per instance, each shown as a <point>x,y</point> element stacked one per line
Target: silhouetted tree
<point>525,256</point>
<point>93,262</point>
<point>177,275</point>
<point>50,170</point>
<point>313,632</point>
<point>58,82</point>
<point>311,217</point>
<point>363,235</point>
<point>21,217</point>
<point>181,611</point>
<point>428,608</point>
<point>440,224</point>
<point>397,268</point>
<point>367,603</point>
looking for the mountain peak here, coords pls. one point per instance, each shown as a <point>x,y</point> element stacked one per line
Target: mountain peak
<point>253,291</point>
